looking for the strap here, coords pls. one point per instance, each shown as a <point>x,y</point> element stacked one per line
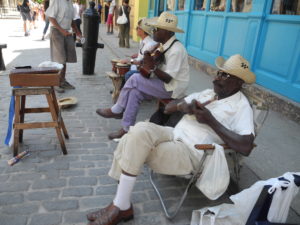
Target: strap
<point>170,46</point>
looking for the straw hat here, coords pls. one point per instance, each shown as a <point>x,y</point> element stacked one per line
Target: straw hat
<point>67,102</point>
<point>238,66</point>
<point>167,21</point>
<point>145,25</point>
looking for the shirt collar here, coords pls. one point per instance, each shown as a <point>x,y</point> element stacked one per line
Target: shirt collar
<point>146,39</point>
<point>233,99</point>
<point>169,42</point>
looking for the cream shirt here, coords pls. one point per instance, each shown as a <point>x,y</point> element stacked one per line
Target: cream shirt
<point>234,112</point>
<point>177,67</point>
<point>62,11</point>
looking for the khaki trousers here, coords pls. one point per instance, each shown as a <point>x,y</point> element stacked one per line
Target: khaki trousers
<point>154,145</point>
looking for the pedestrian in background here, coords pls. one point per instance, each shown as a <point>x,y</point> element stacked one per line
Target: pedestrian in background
<point>124,28</point>
<point>25,13</point>
<point>46,19</point>
<point>110,17</point>
<point>77,14</point>
<point>99,11</point>
<point>62,45</point>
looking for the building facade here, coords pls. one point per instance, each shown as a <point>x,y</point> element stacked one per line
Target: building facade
<point>266,32</point>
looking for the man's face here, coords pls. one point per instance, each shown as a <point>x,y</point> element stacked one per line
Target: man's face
<point>226,84</point>
<point>158,34</point>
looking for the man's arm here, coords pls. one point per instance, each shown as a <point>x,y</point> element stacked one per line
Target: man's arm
<point>240,143</point>
<point>178,105</point>
<point>75,29</point>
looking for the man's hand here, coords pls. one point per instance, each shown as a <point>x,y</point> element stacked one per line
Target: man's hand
<point>65,32</point>
<point>148,61</point>
<point>202,114</point>
<point>184,107</point>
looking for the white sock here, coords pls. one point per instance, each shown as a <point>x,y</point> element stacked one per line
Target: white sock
<point>123,195</point>
<point>116,109</point>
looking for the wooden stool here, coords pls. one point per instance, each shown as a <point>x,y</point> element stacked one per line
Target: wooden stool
<point>2,65</point>
<point>37,81</point>
<point>20,110</point>
<point>117,81</point>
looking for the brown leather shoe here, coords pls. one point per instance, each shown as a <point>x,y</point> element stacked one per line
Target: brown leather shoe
<point>107,113</point>
<point>117,134</point>
<point>111,215</point>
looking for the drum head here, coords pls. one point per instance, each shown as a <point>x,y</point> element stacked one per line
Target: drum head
<point>122,65</point>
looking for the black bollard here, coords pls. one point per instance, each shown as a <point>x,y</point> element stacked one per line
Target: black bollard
<point>90,33</point>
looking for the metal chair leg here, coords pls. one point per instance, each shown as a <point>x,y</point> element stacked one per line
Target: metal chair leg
<point>193,179</point>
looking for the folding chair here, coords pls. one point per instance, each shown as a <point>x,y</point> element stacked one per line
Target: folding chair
<point>260,113</point>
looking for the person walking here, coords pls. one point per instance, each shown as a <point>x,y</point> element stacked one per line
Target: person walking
<point>25,13</point>
<point>46,19</point>
<point>110,17</point>
<point>124,28</point>
<point>62,45</point>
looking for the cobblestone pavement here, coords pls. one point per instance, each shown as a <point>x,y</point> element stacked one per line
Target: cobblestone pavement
<point>49,188</point>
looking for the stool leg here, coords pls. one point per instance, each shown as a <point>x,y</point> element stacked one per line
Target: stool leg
<point>55,119</point>
<point>60,119</point>
<point>17,120</point>
<point>22,116</point>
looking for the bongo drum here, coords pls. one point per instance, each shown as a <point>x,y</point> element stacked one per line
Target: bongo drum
<point>122,69</point>
<point>114,63</point>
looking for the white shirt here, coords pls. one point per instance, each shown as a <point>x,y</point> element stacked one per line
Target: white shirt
<point>62,11</point>
<point>112,7</point>
<point>145,45</point>
<point>177,67</point>
<point>76,11</point>
<point>234,113</point>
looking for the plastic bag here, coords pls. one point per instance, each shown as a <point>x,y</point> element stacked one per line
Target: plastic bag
<point>215,177</point>
<point>122,19</point>
<point>282,198</point>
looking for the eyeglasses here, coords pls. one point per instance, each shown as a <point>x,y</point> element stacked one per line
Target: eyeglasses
<point>154,29</point>
<point>223,75</point>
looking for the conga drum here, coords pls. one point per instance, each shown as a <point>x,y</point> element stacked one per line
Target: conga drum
<point>122,69</point>
<point>114,63</point>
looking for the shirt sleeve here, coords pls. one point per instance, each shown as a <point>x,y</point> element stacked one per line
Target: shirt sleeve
<point>52,9</point>
<point>243,124</point>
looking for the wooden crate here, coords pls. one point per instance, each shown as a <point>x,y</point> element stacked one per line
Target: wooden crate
<point>35,77</point>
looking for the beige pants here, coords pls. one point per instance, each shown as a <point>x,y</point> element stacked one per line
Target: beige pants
<point>154,145</point>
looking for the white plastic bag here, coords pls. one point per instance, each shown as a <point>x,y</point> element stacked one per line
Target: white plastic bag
<point>51,64</point>
<point>282,198</point>
<point>122,19</point>
<point>215,177</point>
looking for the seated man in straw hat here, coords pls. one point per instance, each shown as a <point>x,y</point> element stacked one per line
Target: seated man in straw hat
<point>168,79</point>
<point>143,30</point>
<point>221,115</point>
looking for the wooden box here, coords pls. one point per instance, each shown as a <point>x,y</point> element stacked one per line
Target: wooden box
<point>35,77</point>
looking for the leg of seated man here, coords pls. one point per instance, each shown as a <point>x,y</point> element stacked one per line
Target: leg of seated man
<point>135,90</point>
<point>145,143</point>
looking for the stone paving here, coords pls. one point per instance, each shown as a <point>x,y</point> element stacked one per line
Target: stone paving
<point>49,188</point>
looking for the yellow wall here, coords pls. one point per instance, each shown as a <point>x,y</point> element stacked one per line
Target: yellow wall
<point>140,10</point>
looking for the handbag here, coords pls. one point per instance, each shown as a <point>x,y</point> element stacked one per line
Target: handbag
<point>122,19</point>
<point>215,177</point>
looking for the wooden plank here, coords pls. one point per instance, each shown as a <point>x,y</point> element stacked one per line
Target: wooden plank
<point>31,91</point>
<point>37,110</point>
<point>35,125</point>
<point>34,80</point>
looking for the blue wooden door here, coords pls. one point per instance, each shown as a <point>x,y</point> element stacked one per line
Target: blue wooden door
<point>277,61</point>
